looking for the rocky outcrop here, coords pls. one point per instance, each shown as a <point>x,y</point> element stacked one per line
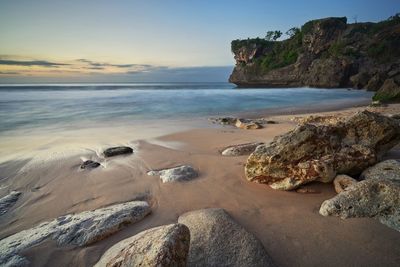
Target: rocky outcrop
<point>166,245</point>
<point>323,53</point>
<point>89,164</point>
<point>217,240</point>
<point>8,201</point>
<point>378,196</point>
<point>119,150</point>
<point>316,119</point>
<point>389,92</point>
<point>342,182</point>
<point>74,229</point>
<point>320,152</point>
<point>181,173</point>
<point>240,150</point>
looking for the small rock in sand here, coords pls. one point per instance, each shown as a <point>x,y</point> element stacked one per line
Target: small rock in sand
<point>8,201</point>
<point>247,125</point>
<point>242,149</point>
<point>342,182</point>
<point>181,173</point>
<point>119,150</point>
<point>166,245</point>
<point>89,164</point>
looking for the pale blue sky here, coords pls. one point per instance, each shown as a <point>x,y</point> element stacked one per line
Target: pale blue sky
<point>163,34</point>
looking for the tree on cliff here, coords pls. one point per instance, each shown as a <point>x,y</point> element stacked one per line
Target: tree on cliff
<point>273,35</point>
<point>293,31</point>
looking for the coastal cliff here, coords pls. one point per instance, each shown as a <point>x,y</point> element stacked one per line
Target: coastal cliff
<point>326,53</point>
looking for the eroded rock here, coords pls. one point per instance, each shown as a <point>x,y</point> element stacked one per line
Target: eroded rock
<point>8,201</point>
<point>181,173</point>
<point>342,182</point>
<point>119,150</point>
<point>166,245</point>
<point>388,169</point>
<point>318,152</point>
<point>217,240</point>
<point>247,125</point>
<point>74,229</point>
<point>242,149</point>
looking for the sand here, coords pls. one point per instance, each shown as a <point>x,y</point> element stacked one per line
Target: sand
<point>287,223</point>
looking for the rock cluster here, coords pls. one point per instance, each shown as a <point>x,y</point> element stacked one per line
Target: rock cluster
<point>180,173</point>
<point>246,124</point>
<point>8,201</point>
<point>320,152</point>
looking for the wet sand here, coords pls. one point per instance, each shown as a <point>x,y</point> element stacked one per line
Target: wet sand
<point>287,223</point>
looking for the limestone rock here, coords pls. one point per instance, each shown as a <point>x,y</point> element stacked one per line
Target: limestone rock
<point>242,149</point>
<point>217,240</point>
<point>247,125</point>
<point>119,150</point>
<point>74,229</point>
<point>166,245</point>
<point>8,201</point>
<point>89,164</point>
<point>181,173</point>
<point>388,169</point>
<point>319,152</point>
<point>342,182</point>
<point>315,119</point>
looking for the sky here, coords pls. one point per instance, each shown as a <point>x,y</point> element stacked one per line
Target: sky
<point>136,41</point>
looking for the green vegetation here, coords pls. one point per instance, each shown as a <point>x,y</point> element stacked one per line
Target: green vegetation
<point>273,35</point>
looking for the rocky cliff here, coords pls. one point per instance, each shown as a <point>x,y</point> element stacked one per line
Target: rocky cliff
<point>325,53</point>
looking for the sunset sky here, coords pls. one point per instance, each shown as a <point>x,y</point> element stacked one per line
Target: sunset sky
<point>165,40</point>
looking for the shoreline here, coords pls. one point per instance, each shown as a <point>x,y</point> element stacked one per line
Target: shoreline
<point>287,223</point>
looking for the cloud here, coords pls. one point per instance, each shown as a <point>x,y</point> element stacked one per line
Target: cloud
<point>42,63</point>
<point>9,73</point>
<point>105,64</point>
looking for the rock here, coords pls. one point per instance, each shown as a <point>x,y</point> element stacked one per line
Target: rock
<point>376,103</point>
<point>303,190</point>
<point>342,182</point>
<point>375,198</point>
<point>217,240</point>
<point>239,150</point>
<point>119,150</point>
<point>389,92</point>
<point>74,229</point>
<point>166,245</point>
<point>181,173</point>
<point>319,152</point>
<point>388,169</point>
<point>8,201</point>
<point>223,120</point>
<point>247,125</point>
<point>89,164</point>
<point>315,119</point>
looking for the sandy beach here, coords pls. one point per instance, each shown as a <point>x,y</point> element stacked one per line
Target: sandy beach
<point>287,223</point>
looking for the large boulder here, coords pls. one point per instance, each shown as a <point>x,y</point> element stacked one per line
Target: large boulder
<point>320,152</point>
<point>378,196</point>
<point>74,229</point>
<point>166,245</point>
<point>217,240</point>
<point>8,201</point>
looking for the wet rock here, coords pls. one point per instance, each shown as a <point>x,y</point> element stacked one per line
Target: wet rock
<point>247,124</point>
<point>342,182</point>
<point>74,229</point>
<point>166,245</point>
<point>319,152</point>
<point>8,201</point>
<point>89,164</point>
<point>223,120</point>
<point>388,169</point>
<point>217,240</point>
<point>181,173</point>
<point>119,150</point>
<point>242,149</point>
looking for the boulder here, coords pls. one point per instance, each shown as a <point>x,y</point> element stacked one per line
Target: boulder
<point>319,152</point>
<point>388,169</point>
<point>89,164</point>
<point>166,245</point>
<point>217,240</point>
<point>8,201</point>
<point>119,150</point>
<point>239,150</point>
<point>247,125</point>
<point>74,229</point>
<point>342,182</point>
<point>389,91</point>
<point>181,173</point>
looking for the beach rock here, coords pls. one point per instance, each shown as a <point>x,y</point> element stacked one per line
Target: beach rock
<point>223,120</point>
<point>342,182</point>
<point>388,169</point>
<point>74,229</point>
<point>181,173</point>
<point>375,198</point>
<point>217,240</point>
<point>319,152</point>
<point>8,201</point>
<point>247,125</point>
<point>242,149</point>
<point>316,119</point>
<point>119,150</point>
<point>89,164</point>
<point>166,245</point>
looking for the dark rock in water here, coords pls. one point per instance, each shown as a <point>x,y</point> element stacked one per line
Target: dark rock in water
<point>166,245</point>
<point>217,240</point>
<point>320,152</point>
<point>119,150</point>
<point>89,164</point>
<point>8,201</point>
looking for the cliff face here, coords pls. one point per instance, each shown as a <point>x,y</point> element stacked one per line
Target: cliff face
<point>323,53</point>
